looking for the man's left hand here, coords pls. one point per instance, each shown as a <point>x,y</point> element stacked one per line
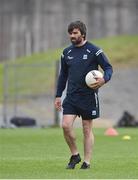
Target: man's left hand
<point>99,82</point>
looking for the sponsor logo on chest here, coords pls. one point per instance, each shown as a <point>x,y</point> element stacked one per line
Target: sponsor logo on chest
<point>85,56</point>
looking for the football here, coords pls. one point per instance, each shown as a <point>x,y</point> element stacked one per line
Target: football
<point>91,77</point>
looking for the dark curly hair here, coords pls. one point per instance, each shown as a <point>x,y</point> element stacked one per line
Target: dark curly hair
<point>77,25</point>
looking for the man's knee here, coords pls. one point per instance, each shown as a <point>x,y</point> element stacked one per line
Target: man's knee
<point>65,125</point>
<point>68,121</point>
<point>87,132</point>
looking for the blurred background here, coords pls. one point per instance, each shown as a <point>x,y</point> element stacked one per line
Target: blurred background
<point>33,34</point>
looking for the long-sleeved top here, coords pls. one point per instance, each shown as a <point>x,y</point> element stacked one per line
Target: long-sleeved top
<point>76,62</point>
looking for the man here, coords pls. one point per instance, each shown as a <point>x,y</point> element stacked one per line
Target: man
<point>76,61</point>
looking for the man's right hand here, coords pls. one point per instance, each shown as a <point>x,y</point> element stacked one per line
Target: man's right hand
<point>58,103</point>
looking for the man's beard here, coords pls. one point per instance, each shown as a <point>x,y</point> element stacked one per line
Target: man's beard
<point>76,41</point>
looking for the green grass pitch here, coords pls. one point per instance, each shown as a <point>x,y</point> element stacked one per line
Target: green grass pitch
<point>43,154</point>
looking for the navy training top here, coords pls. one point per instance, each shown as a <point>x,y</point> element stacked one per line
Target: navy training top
<point>76,62</point>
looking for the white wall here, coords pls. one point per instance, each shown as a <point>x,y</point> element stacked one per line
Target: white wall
<point>37,25</point>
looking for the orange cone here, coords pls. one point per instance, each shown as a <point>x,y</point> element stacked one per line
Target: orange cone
<point>111,132</point>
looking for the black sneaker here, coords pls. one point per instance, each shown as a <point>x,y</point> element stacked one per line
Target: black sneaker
<point>85,166</point>
<point>75,159</point>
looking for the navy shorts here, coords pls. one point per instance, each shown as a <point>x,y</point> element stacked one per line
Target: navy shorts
<point>85,106</point>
